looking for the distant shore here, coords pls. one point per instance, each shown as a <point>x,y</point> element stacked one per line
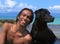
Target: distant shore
<point>6,20</point>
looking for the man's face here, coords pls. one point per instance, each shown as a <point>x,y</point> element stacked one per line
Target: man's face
<point>24,18</point>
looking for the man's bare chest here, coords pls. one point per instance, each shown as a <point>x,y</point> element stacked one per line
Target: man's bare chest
<point>13,35</point>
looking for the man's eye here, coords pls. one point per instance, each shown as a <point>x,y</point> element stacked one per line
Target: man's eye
<point>24,14</point>
<point>29,17</point>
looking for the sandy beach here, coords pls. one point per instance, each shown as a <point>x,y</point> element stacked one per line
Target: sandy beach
<point>55,29</point>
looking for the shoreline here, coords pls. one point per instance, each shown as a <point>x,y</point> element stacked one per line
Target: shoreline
<point>14,20</point>
<point>7,20</point>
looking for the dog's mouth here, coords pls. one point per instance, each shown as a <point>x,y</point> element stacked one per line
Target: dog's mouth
<point>50,20</point>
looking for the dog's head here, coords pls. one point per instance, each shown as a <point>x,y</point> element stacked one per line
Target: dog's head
<point>44,15</point>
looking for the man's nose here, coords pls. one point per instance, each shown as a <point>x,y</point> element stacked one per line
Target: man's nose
<point>25,17</point>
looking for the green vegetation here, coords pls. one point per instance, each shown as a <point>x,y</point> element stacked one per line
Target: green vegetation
<point>9,21</point>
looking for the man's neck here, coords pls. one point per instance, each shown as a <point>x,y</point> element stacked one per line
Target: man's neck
<point>20,26</point>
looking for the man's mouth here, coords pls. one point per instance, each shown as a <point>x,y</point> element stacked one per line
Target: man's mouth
<point>23,21</point>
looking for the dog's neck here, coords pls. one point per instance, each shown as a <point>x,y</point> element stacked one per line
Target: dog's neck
<point>43,25</point>
<point>40,26</point>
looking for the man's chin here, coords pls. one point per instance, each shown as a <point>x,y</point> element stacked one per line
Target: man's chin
<point>23,25</point>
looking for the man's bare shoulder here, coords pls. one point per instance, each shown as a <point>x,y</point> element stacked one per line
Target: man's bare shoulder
<point>6,26</point>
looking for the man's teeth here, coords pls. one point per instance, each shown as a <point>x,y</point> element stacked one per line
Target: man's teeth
<point>23,21</point>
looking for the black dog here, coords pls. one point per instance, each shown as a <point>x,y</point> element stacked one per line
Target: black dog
<point>40,32</point>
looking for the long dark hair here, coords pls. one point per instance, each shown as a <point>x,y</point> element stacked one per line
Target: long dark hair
<point>31,19</point>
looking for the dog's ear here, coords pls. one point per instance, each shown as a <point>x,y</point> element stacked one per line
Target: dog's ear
<point>37,12</point>
<point>40,12</point>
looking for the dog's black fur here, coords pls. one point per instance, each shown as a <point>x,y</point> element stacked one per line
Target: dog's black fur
<point>40,32</point>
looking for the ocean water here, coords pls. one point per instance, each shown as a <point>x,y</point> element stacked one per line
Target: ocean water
<point>56,21</point>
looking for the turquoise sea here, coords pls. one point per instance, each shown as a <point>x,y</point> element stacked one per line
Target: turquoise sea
<point>13,16</point>
<point>56,21</point>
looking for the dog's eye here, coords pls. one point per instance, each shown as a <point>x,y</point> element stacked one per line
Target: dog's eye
<point>48,13</point>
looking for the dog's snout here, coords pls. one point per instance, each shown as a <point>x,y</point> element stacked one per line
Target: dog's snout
<point>52,19</point>
<point>49,19</point>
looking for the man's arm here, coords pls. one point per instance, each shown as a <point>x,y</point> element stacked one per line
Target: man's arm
<point>28,37</point>
<point>23,40</point>
<point>3,33</point>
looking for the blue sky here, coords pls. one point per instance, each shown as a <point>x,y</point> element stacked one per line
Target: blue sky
<point>17,5</point>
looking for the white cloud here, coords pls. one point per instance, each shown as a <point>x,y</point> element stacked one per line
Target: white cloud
<point>0,2</point>
<point>25,5</point>
<point>1,6</point>
<point>8,6</point>
<point>10,3</point>
<point>55,7</point>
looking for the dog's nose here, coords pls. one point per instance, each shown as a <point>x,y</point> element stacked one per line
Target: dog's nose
<point>52,19</point>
